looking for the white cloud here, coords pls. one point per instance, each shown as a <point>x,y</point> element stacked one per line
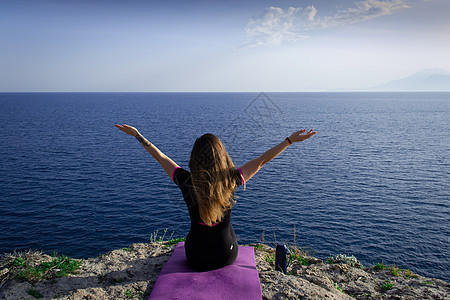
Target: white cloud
<point>310,12</point>
<point>277,25</point>
<point>366,10</point>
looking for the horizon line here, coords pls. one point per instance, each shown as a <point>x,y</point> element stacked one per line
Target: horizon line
<point>304,91</point>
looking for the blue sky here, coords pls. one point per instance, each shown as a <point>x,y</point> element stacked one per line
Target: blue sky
<point>50,45</point>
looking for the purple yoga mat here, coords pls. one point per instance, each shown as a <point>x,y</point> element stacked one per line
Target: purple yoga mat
<point>178,280</point>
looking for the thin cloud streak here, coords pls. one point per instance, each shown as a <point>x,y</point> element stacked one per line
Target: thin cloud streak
<point>277,25</point>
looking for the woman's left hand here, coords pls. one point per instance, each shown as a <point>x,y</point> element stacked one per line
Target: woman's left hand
<point>128,129</point>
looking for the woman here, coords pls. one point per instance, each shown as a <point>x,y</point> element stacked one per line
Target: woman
<point>208,191</point>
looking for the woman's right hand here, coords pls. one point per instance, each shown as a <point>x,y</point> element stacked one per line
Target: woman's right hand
<point>298,136</point>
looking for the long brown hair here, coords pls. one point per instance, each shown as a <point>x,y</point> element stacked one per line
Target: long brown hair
<point>213,178</point>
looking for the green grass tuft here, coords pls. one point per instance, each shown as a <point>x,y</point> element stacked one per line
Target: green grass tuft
<point>409,274</point>
<point>174,241</point>
<point>19,262</point>
<point>395,271</point>
<point>336,285</point>
<point>379,266</point>
<point>330,260</point>
<point>296,255</point>
<point>259,247</point>
<point>59,266</point>
<point>129,294</point>
<point>299,254</point>
<point>387,285</point>
<point>270,258</point>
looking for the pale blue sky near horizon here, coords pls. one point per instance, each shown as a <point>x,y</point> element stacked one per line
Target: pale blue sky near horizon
<point>224,46</point>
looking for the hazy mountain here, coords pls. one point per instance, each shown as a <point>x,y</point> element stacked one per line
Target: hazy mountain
<point>425,80</point>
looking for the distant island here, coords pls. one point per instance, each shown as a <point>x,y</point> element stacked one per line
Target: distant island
<point>425,80</point>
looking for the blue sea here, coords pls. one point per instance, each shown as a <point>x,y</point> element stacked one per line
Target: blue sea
<point>374,182</point>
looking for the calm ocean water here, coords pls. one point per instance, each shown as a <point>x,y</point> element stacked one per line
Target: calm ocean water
<point>374,182</point>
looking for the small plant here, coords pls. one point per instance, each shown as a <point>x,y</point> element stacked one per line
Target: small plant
<point>342,258</point>
<point>19,262</point>
<point>303,261</point>
<point>34,293</point>
<point>161,239</point>
<point>129,294</point>
<point>299,255</point>
<point>379,266</point>
<point>409,274</point>
<point>270,258</point>
<point>174,241</point>
<point>427,282</point>
<point>154,236</point>
<point>259,247</point>
<point>338,287</point>
<point>387,285</point>
<point>395,271</point>
<point>60,266</point>
<point>170,241</point>
<point>330,260</point>
<point>126,249</point>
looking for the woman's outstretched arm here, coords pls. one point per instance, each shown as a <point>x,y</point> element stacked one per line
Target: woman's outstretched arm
<point>252,167</point>
<point>165,161</point>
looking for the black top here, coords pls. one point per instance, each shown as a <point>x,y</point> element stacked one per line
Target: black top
<point>207,247</point>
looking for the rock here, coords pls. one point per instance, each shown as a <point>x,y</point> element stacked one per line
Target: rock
<point>131,273</point>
